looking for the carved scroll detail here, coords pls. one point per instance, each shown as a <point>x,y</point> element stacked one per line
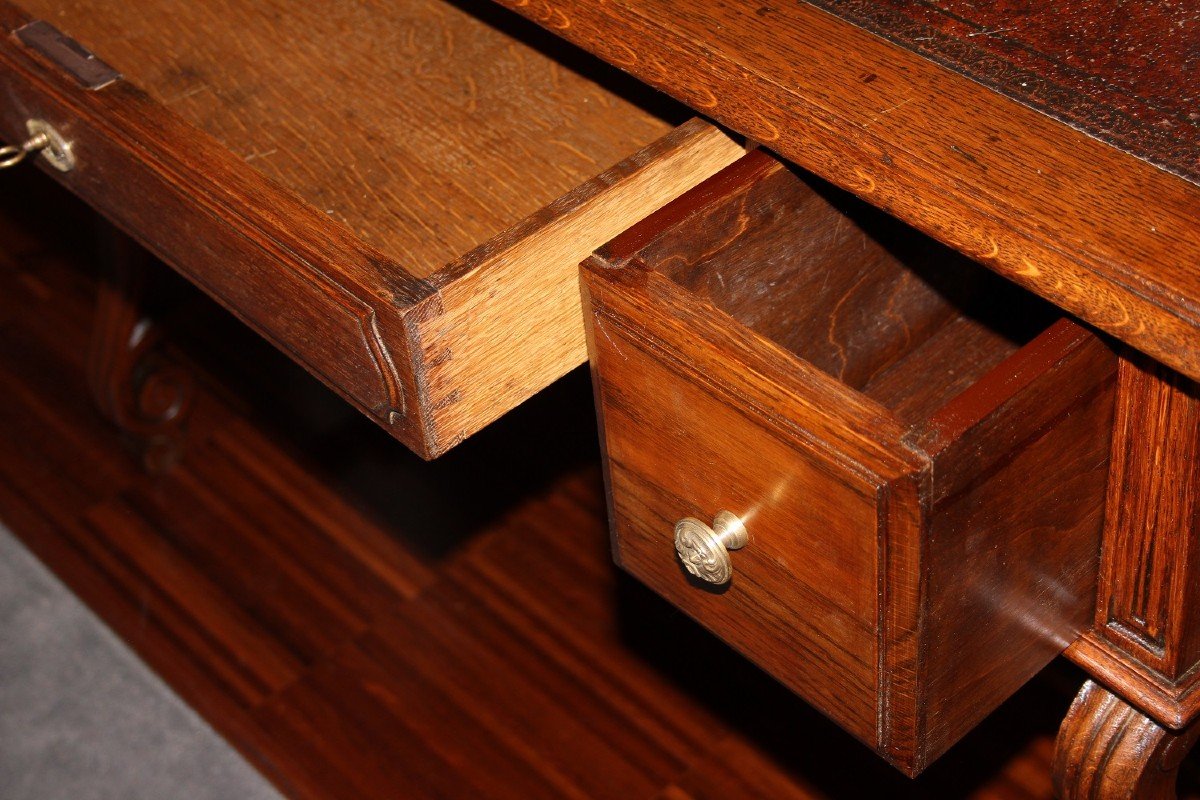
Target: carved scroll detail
<point>145,396</point>
<point>1108,750</point>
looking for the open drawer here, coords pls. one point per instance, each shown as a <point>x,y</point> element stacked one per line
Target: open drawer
<point>396,195</point>
<point>915,449</point>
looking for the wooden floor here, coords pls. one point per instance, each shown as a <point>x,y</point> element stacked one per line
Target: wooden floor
<point>360,624</point>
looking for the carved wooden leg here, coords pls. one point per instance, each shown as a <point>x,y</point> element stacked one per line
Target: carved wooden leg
<point>1145,641</point>
<point>133,387</point>
<point>1108,750</point>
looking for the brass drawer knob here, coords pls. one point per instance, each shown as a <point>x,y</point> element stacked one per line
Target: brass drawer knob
<point>704,551</point>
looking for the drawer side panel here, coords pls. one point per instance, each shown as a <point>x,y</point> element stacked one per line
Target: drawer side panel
<point>1013,539</point>
<point>510,320</point>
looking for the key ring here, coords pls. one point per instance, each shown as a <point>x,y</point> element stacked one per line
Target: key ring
<point>11,155</point>
<point>45,140</point>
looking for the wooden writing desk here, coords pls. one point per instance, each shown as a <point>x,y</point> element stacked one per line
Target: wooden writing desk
<point>255,146</point>
<point>1059,145</point>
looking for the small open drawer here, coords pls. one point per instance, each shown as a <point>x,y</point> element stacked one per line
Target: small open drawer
<point>397,195</point>
<point>916,448</point>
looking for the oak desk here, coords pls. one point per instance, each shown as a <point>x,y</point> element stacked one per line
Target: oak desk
<point>252,155</point>
<point>1059,145</point>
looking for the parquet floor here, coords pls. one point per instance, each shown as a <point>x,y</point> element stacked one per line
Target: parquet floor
<point>363,625</point>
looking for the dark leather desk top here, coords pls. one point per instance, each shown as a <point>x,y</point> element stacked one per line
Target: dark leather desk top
<point>1125,73</point>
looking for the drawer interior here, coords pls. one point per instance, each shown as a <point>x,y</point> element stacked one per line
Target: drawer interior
<point>426,126</point>
<point>851,290</point>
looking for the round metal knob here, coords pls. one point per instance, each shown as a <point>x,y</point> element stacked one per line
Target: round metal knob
<point>704,551</point>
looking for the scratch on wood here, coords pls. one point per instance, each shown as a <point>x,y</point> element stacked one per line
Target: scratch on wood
<point>472,95</point>
<point>887,111</point>
<point>573,150</point>
<point>187,94</point>
<point>991,32</point>
<point>603,329</point>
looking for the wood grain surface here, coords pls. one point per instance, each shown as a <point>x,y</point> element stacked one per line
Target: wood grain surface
<point>1105,235</point>
<point>903,575</point>
<point>507,319</point>
<point>1108,750</point>
<point>1015,509</point>
<point>479,176</point>
<point>1149,594</point>
<point>301,280</point>
<point>1125,73</point>
<point>424,129</point>
<point>1144,643</point>
<point>354,644</point>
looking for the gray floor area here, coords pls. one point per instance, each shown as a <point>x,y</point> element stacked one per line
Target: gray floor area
<point>81,718</point>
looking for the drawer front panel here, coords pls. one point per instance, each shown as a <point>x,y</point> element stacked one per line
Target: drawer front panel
<point>803,601</point>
